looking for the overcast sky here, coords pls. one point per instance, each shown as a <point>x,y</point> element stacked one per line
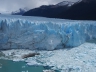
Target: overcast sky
<point>13,5</point>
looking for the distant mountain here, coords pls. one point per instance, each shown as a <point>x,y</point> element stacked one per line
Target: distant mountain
<point>5,12</point>
<point>51,11</point>
<point>81,10</point>
<point>21,11</point>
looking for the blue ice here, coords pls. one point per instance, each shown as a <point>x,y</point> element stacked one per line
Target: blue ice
<point>43,33</point>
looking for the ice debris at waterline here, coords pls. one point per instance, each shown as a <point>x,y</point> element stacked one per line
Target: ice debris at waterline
<point>77,59</point>
<point>43,33</point>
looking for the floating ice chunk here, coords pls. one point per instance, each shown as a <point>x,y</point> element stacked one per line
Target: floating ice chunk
<point>48,71</point>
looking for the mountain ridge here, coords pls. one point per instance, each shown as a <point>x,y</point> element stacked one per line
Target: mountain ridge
<point>81,10</point>
<point>47,10</point>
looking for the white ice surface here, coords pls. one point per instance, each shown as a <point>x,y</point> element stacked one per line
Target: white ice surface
<point>77,59</point>
<point>17,32</point>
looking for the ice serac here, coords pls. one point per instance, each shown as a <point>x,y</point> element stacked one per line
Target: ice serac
<point>44,33</point>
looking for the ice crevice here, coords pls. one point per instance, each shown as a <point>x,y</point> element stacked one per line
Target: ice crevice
<point>44,33</point>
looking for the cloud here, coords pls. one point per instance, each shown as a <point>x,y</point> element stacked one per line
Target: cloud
<point>13,5</point>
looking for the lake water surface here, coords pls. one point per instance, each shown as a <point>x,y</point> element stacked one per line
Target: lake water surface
<point>20,66</point>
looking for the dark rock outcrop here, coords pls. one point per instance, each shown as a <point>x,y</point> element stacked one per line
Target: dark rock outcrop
<point>30,55</point>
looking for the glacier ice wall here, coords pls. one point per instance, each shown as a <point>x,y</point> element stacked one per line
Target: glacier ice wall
<point>44,33</point>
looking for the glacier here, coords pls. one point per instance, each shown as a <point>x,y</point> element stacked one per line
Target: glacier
<point>20,32</point>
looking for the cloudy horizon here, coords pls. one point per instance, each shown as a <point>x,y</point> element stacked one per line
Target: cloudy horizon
<point>13,5</point>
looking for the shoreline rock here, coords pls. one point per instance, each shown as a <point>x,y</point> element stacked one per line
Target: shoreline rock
<point>30,55</point>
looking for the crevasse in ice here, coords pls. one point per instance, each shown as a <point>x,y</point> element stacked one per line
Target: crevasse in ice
<point>43,33</point>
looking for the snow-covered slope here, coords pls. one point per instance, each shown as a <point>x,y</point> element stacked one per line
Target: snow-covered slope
<point>20,11</point>
<point>68,3</point>
<point>43,33</point>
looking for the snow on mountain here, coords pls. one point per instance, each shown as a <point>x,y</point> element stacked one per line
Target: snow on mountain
<point>20,11</point>
<point>68,3</point>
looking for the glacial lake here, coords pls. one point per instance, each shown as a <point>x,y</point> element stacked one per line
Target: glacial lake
<point>20,66</point>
